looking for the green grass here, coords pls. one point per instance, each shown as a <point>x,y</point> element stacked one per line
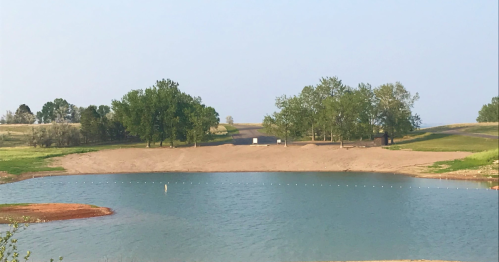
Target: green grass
<point>13,205</point>
<point>446,143</point>
<point>94,206</point>
<point>477,128</point>
<point>18,160</point>
<point>486,130</point>
<point>471,162</point>
<point>231,130</point>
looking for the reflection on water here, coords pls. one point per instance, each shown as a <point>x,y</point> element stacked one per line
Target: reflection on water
<point>264,217</point>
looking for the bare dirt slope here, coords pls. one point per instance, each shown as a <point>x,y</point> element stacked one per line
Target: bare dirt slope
<point>230,158</point>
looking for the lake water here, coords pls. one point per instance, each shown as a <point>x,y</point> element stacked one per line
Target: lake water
<point>263,217</point>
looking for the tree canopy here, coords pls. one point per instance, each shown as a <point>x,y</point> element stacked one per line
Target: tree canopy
<point>489,112</point>
<point>163,112</point>
<point>341,112</point>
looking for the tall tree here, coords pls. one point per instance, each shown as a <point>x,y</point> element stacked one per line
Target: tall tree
<point>201,119</point>
<point>8,118</point>
<point>46,115</point>
<point>169,110</point>
<point>368,113</point>
<point>489,112</point>
<point>287,123</point>
<point>24,115</point>
<point>342,113</point>
<point>229,120</point>
<point>312,104</point>
<point>90,124</point>
<point>394,105</point>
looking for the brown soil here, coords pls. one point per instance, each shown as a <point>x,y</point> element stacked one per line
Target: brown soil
<point>260,159</point>
<point>50,212</point>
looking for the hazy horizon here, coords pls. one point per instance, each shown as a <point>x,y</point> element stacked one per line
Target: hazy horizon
<point>239,56</point>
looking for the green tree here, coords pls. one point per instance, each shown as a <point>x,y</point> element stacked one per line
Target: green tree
<point>90,124</point>
<point>368,114</point>
<point>394,106</point>
<point>75,113</point>
<point>312,103</point>
<point>24,115</point>
<point>229,120</point>
<point>59,111</point>
<point>288,122</point>
<point>8,242</point>
<point>201,118</point>
<point>342,113</point>
<point>8,118</point>
<point>489,112</point>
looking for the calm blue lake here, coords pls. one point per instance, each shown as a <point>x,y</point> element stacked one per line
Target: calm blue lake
<point>263,217</point>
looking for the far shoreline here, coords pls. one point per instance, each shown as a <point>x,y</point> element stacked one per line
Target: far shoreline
<point>247,159</point>
<point>34,175</point>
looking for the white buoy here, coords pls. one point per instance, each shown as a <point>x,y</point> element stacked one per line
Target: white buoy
<point>166,187</point>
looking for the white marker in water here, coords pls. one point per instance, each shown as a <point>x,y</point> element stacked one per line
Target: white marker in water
<point>166,187</point>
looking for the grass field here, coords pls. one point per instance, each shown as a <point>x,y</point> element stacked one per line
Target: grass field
<point>445,143</point>
<point>475,128</point>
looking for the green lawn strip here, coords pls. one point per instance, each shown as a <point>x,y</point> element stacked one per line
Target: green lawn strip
<point>446,143</point>
<point>470,162</point>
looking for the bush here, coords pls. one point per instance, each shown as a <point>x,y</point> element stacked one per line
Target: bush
<point>8,244</point>
<point>60,134</point>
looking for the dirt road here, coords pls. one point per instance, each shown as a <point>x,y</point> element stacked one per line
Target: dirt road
<point>247,133</point>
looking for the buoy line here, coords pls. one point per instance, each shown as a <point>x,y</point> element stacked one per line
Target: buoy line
<point>183,183</point>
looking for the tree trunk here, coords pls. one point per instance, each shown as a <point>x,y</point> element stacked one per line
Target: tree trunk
<point>161,143</point>
<point>285,142</point>
<point>391,140</point>
<point>148,143</point>
<point>195,144</point>
<point>331,136</point>
<point>313,133</point>
<point>341,143</point>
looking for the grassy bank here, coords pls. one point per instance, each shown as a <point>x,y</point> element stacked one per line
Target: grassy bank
<point>444,143</point>
<point>473,161</point>
<point>474,128</point>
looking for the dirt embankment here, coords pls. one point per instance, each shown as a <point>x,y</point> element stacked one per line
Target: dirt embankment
<point>51,212</point>
<point>259,159</point>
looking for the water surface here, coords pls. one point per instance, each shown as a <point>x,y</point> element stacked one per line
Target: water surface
<point>263,217</point>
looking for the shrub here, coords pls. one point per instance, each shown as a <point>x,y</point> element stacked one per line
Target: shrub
<point>8,244</point>
<point>60,134</point>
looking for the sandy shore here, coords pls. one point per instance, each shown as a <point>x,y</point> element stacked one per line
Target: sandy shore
<point>244,158</point>
<point>51,212</point>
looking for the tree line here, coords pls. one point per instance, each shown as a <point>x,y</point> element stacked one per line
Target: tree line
<point>489,112</point>
<point>335,111</point>
<point>161,112</point>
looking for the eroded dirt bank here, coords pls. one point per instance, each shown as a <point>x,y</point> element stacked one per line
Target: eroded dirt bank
<point>51,212</point>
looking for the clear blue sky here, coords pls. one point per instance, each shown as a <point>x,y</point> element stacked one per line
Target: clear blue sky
<point>239,55</point>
